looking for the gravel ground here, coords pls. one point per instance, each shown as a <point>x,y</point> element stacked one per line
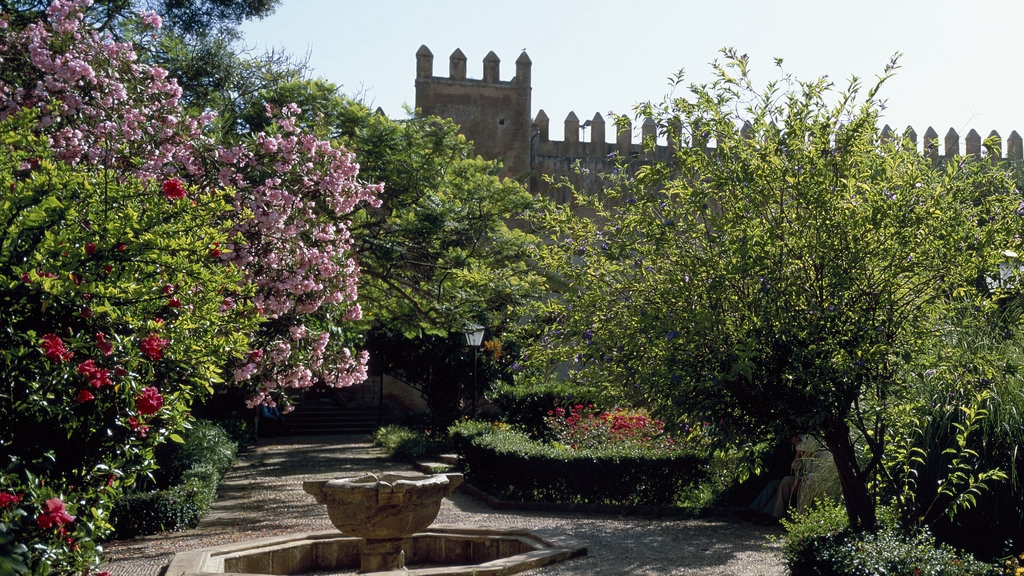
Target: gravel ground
<point>262,496</point>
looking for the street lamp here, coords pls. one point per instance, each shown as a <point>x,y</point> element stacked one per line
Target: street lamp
<point>474,338</point>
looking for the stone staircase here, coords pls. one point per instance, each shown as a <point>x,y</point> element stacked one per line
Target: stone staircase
<point>327,418</point>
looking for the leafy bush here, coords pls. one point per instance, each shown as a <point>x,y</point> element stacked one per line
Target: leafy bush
<point>186,485</point>
<point>405,444</point>
<point>507,463</point>
<point>205,446</point>
<point>582,427</point>
<point>526,406</point>
<point>820,543</point>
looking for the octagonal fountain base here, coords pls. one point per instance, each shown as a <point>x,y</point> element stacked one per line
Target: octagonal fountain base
<point>441,550</point>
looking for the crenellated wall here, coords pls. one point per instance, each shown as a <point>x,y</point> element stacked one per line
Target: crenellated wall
<point>495,114</point>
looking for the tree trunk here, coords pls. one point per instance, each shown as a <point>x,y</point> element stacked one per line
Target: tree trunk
<point>860,506</point>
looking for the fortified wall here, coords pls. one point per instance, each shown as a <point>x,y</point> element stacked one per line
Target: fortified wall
<point>496,116</point>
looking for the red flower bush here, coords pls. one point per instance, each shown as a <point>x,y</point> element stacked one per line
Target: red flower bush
<point>583,428</point>
<point>149,401</point>
<point>153,347</point>
<point>54,348</point>
<point>54,515</point>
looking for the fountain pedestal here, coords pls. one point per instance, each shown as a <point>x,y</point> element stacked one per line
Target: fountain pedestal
<point>383,510</point>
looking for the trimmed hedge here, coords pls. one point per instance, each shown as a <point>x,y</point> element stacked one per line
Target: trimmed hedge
<point>186,484</point>
<point>509,465</point>
<point>526,407</point>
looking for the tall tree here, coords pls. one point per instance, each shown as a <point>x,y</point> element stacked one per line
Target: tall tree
<point>775,272</point>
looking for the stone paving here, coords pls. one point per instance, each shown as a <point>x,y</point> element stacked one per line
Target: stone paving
<point>262,496</point>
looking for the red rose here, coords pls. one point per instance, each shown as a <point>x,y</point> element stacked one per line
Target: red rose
<point>84,396</point>
<point>90,248</point>
<point>103,345</point>
<point>137,427</point>
<point>8,499</point>
<point>173,189</point>
<point>53,514</point>
<point>153,346</point>
<point>149,401</point>
<point>174,303</point>
<point>54,348</point>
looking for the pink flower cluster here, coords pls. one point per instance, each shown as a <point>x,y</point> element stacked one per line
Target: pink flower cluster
<point>100,105</point>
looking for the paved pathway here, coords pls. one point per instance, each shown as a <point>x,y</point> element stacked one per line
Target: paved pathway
<point>262,496</point>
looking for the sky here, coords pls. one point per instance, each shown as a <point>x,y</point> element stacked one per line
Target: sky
<point>961,65</point>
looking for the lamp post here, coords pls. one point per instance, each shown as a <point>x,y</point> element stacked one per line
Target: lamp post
<point>474,338</point>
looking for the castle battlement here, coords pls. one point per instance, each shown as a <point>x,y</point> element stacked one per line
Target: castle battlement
<point>496,116</point>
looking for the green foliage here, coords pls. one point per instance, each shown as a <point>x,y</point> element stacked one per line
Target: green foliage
<point>525,406</point>
<point>778,280</point>
<point>438,253</point>
<point>186,485</point>
<point>819,543</point>
<point>406,444</point>
<point>108,294</point>
<point>203,444</point>
<point>952,459</point>
<point>510,465</point>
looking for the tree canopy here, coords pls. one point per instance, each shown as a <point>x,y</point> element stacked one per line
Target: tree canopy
<point>776,273</point>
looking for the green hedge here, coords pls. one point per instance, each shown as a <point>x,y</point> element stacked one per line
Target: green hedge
<point>526,407</point>
<point>509,465</point>
<point>185,486</point>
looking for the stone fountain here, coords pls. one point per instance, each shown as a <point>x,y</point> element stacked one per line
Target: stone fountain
<point>383,510</point>
<point>385,521</point>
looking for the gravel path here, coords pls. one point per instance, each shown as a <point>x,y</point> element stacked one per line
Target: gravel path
<point>262,496</point>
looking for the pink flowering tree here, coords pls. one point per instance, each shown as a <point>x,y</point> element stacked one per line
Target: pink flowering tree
<point>141,264</point>
<point>111,323</point>
<point>293,191</point>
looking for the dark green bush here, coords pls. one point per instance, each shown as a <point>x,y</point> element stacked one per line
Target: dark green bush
<point>185,486</point>
<point>405,444</point>
<point>510,465</point>
<point>526,406</point>
<point>819,543</point>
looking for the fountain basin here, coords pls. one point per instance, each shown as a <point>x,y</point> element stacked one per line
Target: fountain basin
<point>383,506</point>
<point>443,550</point>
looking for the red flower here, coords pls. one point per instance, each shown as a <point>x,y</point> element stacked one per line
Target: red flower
<point>149,401</point>
<point>101,343</point>
<point>8,499</point>
<point>153,346</point>
<point>107,269</point>
<point>168,289</point>
<point>53,514</point>
<point>173,189</point>
<point>84,396</point>
<point>214,253</point>
<point>174,303</point>
<point>138,427</point>
<point>90,248</point>
<point>54,348</point>
<point>98,377</point>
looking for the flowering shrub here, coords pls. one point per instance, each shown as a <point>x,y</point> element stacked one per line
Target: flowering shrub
<point>584,428</point>
<point>100,106</point>
<point>141,263</point>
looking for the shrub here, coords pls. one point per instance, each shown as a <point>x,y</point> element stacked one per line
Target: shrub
<point>405,444</point>
<point>186,486</point>
<point>526,406</point>
<point>507,463</point>
<point>582,427</point>
<point>820,543</point>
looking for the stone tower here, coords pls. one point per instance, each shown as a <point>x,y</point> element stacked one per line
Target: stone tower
<point>495,115</point>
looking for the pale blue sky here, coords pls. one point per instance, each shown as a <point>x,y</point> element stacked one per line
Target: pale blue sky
<point>962,65</point>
